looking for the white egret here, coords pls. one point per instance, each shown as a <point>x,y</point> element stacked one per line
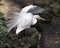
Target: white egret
<point>25,18</point>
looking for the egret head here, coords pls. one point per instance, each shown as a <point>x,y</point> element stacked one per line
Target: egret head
<point>38,17</point>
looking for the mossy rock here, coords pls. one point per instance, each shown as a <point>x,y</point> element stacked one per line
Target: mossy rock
<point>56,9</point>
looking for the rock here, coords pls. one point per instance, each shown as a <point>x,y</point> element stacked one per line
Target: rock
<point>7,7</point>
<point>50,33</point>
<point>50,29</point>
<point>32,36</point>
<point>27,38</point>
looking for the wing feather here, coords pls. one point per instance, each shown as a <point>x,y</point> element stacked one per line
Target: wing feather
<point>36,10</point>
<point>27,8</point>
<point>15,19</point>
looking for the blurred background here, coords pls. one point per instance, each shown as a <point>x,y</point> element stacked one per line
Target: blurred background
<point>44,34</point>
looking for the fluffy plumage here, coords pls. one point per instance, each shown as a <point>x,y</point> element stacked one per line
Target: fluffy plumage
<point>25,18</point>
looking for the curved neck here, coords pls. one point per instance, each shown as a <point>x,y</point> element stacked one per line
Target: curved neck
<point>34,21</point>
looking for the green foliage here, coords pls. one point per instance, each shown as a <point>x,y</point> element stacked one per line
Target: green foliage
<point>52,10</point>
<point>56,9</point>
<point>1,15</point>
<point>2,27</point>
<point>4,38</point>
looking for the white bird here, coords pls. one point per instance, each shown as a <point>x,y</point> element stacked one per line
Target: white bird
<point>25,18</point>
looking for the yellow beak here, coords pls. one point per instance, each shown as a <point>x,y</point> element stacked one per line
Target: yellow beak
<point>41,18</point>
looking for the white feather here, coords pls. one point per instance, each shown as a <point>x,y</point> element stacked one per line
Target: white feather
<point>22,20</point>
<point>25,23</point>
<point>27,8</point>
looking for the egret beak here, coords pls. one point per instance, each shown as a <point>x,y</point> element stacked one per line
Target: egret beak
<point>40,18</point>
